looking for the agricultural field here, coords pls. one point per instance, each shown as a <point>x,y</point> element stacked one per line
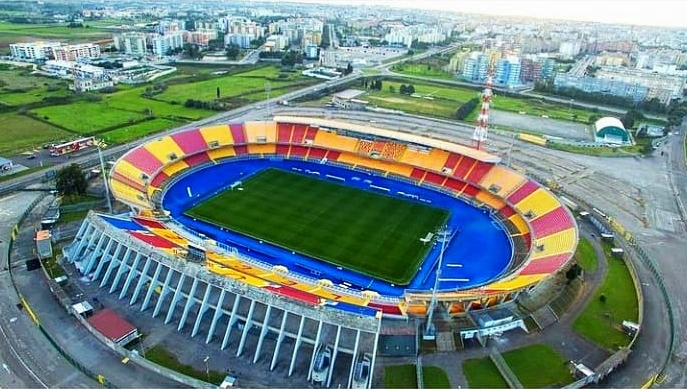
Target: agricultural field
<point>24,134</point>
<point>27,32</point>
<point>424,70</point>
<point>87,118</point>
<point>237,86</point>
<point>132,101</point>
<point>133,132</point>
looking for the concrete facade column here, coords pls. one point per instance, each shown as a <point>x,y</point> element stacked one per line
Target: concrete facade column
<point>204,305</point>
<point>219,311</point>
<point>130,277</point>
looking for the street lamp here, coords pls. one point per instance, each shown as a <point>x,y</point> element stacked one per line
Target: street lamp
<point>207,367</point>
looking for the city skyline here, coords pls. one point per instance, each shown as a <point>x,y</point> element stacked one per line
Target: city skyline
<point>660,13</point>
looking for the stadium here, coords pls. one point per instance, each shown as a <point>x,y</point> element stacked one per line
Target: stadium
<point>300,237</point>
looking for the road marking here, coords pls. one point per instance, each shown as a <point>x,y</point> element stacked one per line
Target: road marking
<point>6,367</point>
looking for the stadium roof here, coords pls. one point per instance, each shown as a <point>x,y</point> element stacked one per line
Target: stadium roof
<point>608,121</point>
<point>349,93</point>
<point>412,138</point>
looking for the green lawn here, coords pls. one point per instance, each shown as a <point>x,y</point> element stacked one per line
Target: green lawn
<point>87,117</point>
<point>435,377</point>
<point>539,366</point>
<point>231,86</point>
<point>482,373</point>
<point>167,359</point>
<point>23,134</point>
<point>535,366</point>
<point>400,376</point>
<point>420,69</point>
<point>376,235</point>
<point>585,255</point>
<point>601,320</point>
<point>57,31</point>
<point>136,131</point>
<point>132,101</point>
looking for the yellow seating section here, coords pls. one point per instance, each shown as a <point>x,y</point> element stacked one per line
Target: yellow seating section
<point>491,200</point>
<point>520,223</point>
<point>557,243</point>
<point>504,178</point>
<point>128,193</point>
<point>162,149</point>
<point>331,140</point>
<point>262,148</point>
<point>267,130</point>
<point>434,160</point>
<point>130,171</point>
<point>219,133</point>
<point>539,202</point>
<point>175,167</point>
<point>221,153</point>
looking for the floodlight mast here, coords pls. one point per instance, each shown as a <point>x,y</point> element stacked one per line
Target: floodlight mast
<point>433,302</point>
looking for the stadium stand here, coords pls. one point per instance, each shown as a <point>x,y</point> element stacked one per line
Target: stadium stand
<point>190,141</point>
<point>165,149</point>
<point>221,153</point>
<point>557,243</point>
<point>172,169</point>
<point>523,191</point>
<point>238,134</point>
<point>284,133</point>
<point>490,200</point>
<point>393,150</point>
<point>310,134</point>
<point>197,159</point>
<point>551,222</point>
<point>478,171</point>
<point>260,149</point>
<point>217,135</point>
<point>298,135</point>
<point>142,160</point>
<point>464,167</point>
<point>501,181</point>
<point>364,147</point>
<point>260,132</point>
<point>538,203</point>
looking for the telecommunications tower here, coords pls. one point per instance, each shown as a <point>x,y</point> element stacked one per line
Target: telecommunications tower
<point>479,136</point>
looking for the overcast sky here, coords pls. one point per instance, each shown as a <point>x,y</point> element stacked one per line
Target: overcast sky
<point>667,13</point>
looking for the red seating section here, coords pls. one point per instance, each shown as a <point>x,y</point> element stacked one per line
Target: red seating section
<point>190,141</point>
<point>317,153</point>
<point>284,133</point>
<point>478,172</point>
<point>434,178</point>
<point>451,161</point>
<point>417,174</point>
<point>129,182</point>
<point>298,134</point>
<point>159,178</point>
<point>554,221</point>
<point>454,184</point>
<point>463,167</point>
<point>298,151</point>
<point>198,158</point>
<point>241,150</point>
<point>142,159</point>
<point>310,134</point>
<point>152,239</point>
<point>545,265</point>
<point>238,133</point>
<point>295,294</point>
<point>523,191</point>
<point>333,155</point>
<point>283,150</point>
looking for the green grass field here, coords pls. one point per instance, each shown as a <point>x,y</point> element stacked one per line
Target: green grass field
<point>536,366</point>
<point>405,376</point>
<point>601,320</point>
<point>133,132</point>
<point>24,134</point>
<point>376,235</point>
<point>87,117</point>
<point>585,255</point>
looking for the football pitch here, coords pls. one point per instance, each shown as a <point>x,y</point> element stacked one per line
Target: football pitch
<point>374,234</point>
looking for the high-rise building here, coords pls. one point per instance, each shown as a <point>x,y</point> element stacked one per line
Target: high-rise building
<point>33,50</point>
<point>475,67</point>
<point>508,71</point>
<point>162,44</point>
<point>74,52</point>
<point>130,43</point>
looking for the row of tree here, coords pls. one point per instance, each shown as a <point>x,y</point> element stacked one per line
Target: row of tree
<point>201,104</point>
<point>466,108</point>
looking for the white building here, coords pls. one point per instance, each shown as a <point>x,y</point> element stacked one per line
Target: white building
<point>71,70</point>
<point>570,49</point>
<point>277,41</point>
<point>241,40</point>
<point>33,50</point>
<point>74,52</point>
<point>84,85</point>
<point>163,43</point>
<point>130,43</point>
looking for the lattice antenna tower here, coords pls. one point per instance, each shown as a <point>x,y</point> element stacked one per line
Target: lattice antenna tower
<point>479,136</point>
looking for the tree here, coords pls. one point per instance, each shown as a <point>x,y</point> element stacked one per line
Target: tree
<point>217,92</point>
<point>71,180</point>
<point>232,51</point>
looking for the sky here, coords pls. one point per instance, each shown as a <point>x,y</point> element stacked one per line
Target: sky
<point>665,13</point>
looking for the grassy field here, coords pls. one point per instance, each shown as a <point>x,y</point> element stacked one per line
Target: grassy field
<point>535,366</point>
<point>133,132</point>
<point>58,31</point>
<point>132,101</point>
<point>424,70</point>
<point>405,376</point>
<point>601,320</point>
<point>376,235</point>
<point>539,366</point>
<point>87,117</point>
<point>482,373</point>
<point>435,377</point>
<point>24,134</point>
<point>585,255</point>
<point>400,376</point>
<point>597,151</point>
<point>163,357</point>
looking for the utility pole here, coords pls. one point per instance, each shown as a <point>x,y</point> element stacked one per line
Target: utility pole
<point>429,329</point>
<point>107,188</point>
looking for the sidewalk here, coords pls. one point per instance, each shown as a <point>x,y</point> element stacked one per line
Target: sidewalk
<point>64,329</point>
